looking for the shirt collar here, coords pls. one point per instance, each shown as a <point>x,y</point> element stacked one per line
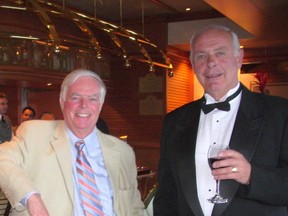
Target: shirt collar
<point>210,99</point>
<point>92,145</point>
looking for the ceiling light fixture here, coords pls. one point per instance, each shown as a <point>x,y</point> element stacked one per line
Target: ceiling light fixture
<point>127,63</point>
<point>170,73</point>
<point>56,27</point>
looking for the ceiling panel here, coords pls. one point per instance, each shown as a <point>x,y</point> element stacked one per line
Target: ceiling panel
<point>114,11</point>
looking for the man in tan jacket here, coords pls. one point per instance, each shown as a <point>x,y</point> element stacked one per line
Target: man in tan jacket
<point>38,167</point>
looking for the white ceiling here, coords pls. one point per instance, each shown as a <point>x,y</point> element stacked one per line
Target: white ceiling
<point>180,38</point>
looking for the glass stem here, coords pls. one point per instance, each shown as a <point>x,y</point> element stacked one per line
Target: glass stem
<point>217,187</point>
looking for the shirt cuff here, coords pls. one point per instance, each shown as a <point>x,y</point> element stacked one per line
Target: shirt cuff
<point>24,200</point>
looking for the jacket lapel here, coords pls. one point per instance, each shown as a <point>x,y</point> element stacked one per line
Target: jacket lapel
<point>186,134</point>
<point>244,140</point>
<point>112,161</point>
<point>60,144</point>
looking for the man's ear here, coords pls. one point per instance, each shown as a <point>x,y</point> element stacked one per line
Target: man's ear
<point>61,103</point>
<point>240,58</point>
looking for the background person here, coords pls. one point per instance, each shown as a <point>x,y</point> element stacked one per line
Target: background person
<point>102,125</point>
<point>47,116</point>
<point>38,167</point>
<point>5,122</point>
<point>28,113</point>
<point>5,135</point>
<point>254,171</point>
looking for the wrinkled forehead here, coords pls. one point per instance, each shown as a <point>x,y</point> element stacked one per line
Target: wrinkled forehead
<point>84,84</point>
<point>212,35</point>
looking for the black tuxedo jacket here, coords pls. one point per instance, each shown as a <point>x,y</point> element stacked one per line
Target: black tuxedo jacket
<point>260,133</point>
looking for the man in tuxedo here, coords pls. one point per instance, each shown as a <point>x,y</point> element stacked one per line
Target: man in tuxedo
<point>43,172</point>
<point>254,170</point>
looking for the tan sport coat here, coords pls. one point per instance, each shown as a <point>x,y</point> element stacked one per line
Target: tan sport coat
<point>38,159</point>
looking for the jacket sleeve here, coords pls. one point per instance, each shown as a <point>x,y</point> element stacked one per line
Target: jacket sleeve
<point>15,182</point>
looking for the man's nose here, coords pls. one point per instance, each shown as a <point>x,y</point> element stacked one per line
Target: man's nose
<point>211,61</point>
<point>84,102</point>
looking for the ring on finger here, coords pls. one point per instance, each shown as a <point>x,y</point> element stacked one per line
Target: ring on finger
<point>234,170</point>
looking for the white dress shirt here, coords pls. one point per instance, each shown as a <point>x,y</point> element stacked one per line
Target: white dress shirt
<point>93,153</point>
<point>215,128</point>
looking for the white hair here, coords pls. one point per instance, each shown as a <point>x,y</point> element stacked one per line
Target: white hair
<point>75,75</point>
<point>234,37</point>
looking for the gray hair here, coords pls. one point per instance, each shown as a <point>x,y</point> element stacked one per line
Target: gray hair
<point>74,76</point>
<point>234,37</point>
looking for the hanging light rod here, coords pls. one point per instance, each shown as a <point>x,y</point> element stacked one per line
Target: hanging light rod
<point>12,7</point>
<point>24,37</point>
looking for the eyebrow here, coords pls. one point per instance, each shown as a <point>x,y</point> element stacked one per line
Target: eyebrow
<point>93,95</point>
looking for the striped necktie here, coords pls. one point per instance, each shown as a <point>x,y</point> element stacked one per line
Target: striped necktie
<point>87,185</point>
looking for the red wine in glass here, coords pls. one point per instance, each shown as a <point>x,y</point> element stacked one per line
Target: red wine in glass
<point>211,161</point>
<point>213,153</point>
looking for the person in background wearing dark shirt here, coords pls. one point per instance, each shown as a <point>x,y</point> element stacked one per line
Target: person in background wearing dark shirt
<point>5,122</point>
<point>102,126</point>
<point>5,135</point>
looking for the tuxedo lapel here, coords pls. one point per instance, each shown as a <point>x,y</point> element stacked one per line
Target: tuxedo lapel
<point>185,142</point>
<point>60,144</point>
<point>243,139</point>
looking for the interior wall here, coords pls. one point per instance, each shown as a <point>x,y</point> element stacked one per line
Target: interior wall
<point>122,111</point>
<point>179,88</point>
<point>45,101</point>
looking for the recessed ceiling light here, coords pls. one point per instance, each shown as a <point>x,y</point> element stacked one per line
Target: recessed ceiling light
<point>188,9</point>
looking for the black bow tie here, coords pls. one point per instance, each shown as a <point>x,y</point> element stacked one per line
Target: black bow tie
<point>225,105</point>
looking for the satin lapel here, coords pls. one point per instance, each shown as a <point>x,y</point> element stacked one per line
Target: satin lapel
<point>186,134</point>
<point>61,147</point>
<point>244,140</point>
<point>112,161</point>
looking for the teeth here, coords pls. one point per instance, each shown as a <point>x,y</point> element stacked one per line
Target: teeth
<point>82,115</point>
<point>213,75</point>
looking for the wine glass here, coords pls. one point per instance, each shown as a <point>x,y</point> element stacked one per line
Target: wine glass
<point>212,157</point>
